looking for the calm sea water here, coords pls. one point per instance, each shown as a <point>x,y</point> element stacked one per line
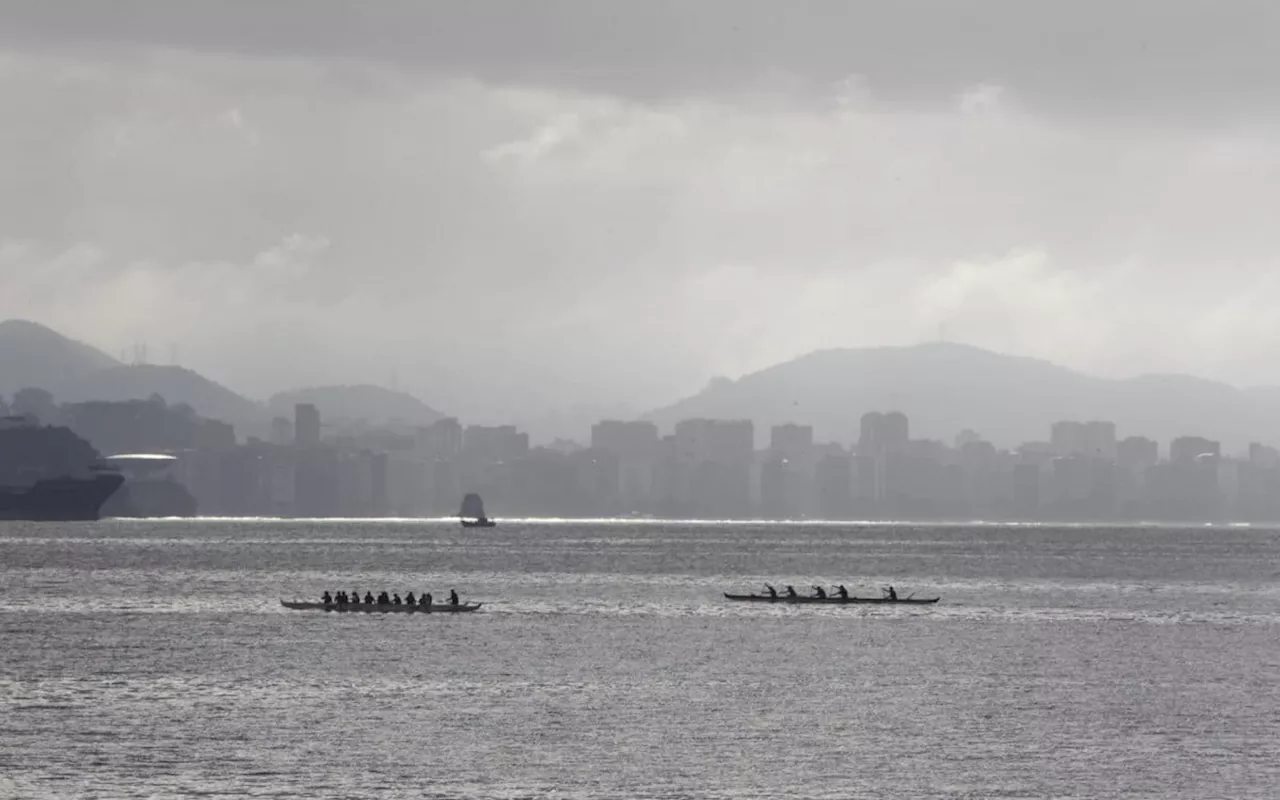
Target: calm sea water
<point>153,659</point>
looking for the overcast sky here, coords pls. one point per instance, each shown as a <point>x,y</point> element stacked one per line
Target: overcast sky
<point>521,205</point>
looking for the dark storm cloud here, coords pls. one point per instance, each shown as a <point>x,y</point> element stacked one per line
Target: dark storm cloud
<point>1163,58</point>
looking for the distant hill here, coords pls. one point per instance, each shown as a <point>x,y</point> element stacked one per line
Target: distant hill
<point>32,355</point>
<point>944,388</point>
<point>359,402</point>
<point>175,384</point>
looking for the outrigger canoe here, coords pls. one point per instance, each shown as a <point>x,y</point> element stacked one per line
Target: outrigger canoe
<point>382,608</point>
<point>832,601</point>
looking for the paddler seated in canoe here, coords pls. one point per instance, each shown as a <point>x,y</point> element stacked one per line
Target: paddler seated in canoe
<point>425,600</point>
<point>842,592</point>
<point>409,601</point>
<point>820,593</point>
<point>791,591</point>
<point>355,598</point>
<point>772,591</point>
<point>395,599</point>
<point>383,598</point>
<point>453,597</point>
<point>368,598</point>
<point>892,594</point>
<point>326,598</point>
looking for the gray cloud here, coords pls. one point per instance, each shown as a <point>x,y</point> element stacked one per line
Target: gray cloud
<point>517,211</point>
<point>1164,57</point>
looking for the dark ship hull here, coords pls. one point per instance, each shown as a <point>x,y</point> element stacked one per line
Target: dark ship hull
<point>59,499</point>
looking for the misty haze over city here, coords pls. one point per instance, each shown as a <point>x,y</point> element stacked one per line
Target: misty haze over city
<point>514,212</point>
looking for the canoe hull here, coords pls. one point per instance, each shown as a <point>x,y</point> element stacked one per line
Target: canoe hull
<point>381,608</point>
<point>832,601</point>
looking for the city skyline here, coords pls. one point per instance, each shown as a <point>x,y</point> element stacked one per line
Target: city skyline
<point>179,464</point>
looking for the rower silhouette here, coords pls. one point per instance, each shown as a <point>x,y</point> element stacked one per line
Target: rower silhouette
<point>326,598</point>
<point>820,593</point>
<point>772,591</point>
<point>791,591</point>
<point>425,600</point>
<point>453,597</point>
<point>893,594</point>
<point>842,592</point>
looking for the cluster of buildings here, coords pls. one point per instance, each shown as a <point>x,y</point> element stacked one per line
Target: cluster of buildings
<point>712,469</point>
<point>708,468</point>
<point>704,468</point>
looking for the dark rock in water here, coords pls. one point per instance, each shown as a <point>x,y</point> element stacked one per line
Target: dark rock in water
<point>151,498</point>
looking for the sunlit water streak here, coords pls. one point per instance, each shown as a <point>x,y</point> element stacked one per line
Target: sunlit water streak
<point>152,658</point>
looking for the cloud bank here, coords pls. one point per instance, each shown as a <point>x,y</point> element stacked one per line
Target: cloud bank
<point>508,247</point>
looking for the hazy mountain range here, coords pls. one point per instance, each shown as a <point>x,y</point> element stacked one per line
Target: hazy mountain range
<point>942,387</point>
<point>34,355</point>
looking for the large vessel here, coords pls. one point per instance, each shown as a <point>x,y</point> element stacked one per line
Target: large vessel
<point>59,499</point>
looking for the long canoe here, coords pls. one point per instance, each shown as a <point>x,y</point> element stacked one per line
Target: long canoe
<point>382,608</point>
<point>831,601</point>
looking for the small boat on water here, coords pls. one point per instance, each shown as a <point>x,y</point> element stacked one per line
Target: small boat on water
<point>472,513</point>
<point>831,601</point>
<point>381,608</point>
